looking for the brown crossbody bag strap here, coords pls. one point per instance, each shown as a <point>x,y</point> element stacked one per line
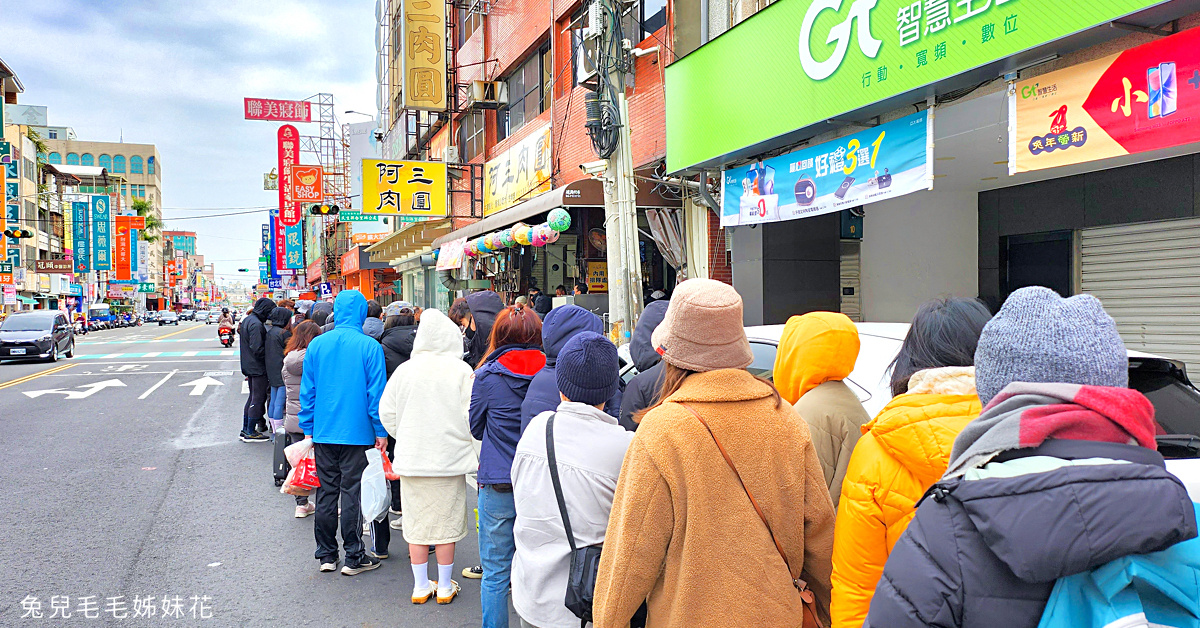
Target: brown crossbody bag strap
<point>806,594</point>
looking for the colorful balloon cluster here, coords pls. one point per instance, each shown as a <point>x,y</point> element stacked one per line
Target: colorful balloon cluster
<point>521,234</point>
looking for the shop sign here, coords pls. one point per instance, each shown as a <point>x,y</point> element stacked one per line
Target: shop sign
<point>367,238</point>
<point>75,290</point>
<point>350,261</point>
<point>521,172</point>
<point>270,180</point>
<point>799,62</point>
<point>408,188</point>
<point>145,287</point>
<point>289,155</point>
<point>314,270</point>
<point>57,266</point>
<point>101,233</point>
<point>450,256</point>
<point>881,162</point>
<point>6,274</point>
<point>356,217</point>
<point>305,184</point>
<point>423,63</point>
<point>597,276</point>
<point>1145,98</point>
<point>277,110</point>
<point>122,255</point>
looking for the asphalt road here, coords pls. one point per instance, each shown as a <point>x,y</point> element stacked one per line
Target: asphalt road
<point>125,477</point>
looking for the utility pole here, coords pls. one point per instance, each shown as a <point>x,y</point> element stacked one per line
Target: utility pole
<point>624,258</point>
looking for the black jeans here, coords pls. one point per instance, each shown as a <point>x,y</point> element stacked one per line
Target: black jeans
<point>340,469</point>
<point>256,403</point>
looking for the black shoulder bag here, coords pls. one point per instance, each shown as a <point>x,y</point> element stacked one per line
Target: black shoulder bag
<point>585,561</point>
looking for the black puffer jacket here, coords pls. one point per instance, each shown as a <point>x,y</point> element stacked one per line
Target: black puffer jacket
<point>485,306</point>
<point>985,553</point>
<point>277,338</point>
<point>397,345</point>
<point>643,389</point>
<point>253,339</point>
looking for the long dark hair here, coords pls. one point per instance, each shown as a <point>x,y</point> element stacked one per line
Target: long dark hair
<point>944,332</point>
<point>515,325</point>
<point>672,380</point>
<point>301,336</point>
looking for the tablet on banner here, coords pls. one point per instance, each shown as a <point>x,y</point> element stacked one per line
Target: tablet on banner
<point>881,162</point>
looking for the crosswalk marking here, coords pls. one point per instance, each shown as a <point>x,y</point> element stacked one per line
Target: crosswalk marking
<point>158,354</point>
<point>138,342</point>
<point>153,354</point>
<point>188,354</point>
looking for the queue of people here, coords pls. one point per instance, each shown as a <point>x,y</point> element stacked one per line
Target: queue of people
<point>1012,480</point>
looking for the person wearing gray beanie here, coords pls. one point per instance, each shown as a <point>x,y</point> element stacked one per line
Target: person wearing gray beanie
<point>1040,337</point>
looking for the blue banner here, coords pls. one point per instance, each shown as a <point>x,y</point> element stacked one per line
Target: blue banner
<point>79,235</point>
<point>12,213</point>
<point>133,252</point>
<point>274,266</point>
<point>101,234</point>
<point>295,246</point>
<point>264,257</point>
<point>881,162</point>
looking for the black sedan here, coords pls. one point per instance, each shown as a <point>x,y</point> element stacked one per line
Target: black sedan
<point>37,334</point>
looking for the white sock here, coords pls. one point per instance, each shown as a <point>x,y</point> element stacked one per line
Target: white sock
<point>445,573</point>
<point>420,576</point>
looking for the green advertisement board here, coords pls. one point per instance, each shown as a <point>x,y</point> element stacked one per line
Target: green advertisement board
<point>798,62</point>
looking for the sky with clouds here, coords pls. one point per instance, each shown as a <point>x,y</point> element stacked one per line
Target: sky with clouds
<point>174,74</point>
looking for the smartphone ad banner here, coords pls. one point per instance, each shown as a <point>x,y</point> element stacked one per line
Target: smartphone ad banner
<point>1145,98</point>
<point>881,162</point>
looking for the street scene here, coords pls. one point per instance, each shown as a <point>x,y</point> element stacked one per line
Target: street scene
<point>611,313</point>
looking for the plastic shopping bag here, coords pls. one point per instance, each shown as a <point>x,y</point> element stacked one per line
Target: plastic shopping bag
<point>375,494</point>
<point>290,488</point>
<point>388,474</point>
<point>298,450</point>
<point>302,479</point>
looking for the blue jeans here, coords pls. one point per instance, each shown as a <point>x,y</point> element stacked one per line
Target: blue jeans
<point>275,405</point>
<point>497,513</point>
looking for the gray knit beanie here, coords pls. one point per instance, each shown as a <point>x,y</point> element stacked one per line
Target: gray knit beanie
<point>1040,337</point>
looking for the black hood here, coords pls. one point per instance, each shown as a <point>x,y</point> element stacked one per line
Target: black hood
<point>485,306</point>
<point>640,347</point>
<point>399,338</point>
<point>1053,524</point>
<point>320,312</point>
<point>263,308</point>
<point>280,316</point>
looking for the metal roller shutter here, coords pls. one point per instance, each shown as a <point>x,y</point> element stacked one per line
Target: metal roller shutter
<point>1148,277</point>
<point>851,280</point>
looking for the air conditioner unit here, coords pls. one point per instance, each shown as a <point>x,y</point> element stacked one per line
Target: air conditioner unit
<point>488,94</point>
<point>451,155</point>
<point>585,70</point>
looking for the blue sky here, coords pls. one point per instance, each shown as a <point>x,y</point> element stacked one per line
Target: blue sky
<point>174,74</point>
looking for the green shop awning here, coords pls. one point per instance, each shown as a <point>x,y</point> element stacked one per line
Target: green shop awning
<point>26,300</point>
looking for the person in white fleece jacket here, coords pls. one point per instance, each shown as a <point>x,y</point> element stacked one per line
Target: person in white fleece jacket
<point>424,407</point>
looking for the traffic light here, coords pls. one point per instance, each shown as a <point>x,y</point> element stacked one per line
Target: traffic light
<point>18,232</point>
<point>324,210</point>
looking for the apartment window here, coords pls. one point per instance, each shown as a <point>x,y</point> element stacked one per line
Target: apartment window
<point>468,22</point>
<point>643,18</point>
<point>150,164</point>
<point>72,159</point>
<point>55,158</point>
<point>135,165</point>
<point>105,162</point>
<point>87,160</point>
<point>118,163</point>
<point>526,93</point>
<point>30,170</point>
<point>124,191</point>
<point>471,135</point>
<point>53,134</point>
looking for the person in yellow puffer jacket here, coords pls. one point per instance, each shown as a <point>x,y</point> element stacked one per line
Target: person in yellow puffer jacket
<point>816,352</point>
<point>905,449</point>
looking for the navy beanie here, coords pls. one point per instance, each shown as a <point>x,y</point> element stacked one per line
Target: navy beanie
<point>588,369</point>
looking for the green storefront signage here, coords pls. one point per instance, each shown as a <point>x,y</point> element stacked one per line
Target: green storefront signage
<point>799,62</point>
<point>356,217</point>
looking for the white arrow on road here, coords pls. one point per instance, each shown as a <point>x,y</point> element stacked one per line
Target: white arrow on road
<point>91,389</point>
<point>200,385</point>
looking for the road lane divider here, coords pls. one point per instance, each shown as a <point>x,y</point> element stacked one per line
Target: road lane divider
<point>27,378</point>
<point>160,383</point>
<point>180,331</point>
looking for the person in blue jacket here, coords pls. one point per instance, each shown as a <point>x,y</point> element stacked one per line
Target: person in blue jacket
<point>560,325</point>
<point>343,379</point>
<point>514,356</point>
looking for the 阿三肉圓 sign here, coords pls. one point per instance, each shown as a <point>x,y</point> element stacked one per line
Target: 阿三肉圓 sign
<point>799,62</point>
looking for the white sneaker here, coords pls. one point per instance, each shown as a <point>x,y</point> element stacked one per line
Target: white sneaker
<point>329,566</point>
<point>367,529</point>
<point>445,595</point>
<point>397,523</point>
<point>305,510</point>
<point>422,595</point>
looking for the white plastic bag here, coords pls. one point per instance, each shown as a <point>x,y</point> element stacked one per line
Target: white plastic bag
<point>375,494</point>
<point>297,450</point>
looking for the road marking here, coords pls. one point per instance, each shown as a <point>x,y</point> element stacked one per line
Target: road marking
<point>160,383</point>
<point>228,352</point>
<point>152,354</point>
<point>22,380</point>
<point>202,384</point>
<point>76,394</point>
<point>155,354</point>
<point>189,354</point>
<point>175,332</point>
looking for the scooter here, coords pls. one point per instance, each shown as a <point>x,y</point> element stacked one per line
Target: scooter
<point>225,333</point>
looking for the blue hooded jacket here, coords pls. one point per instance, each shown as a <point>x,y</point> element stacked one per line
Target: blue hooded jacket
<point>343,379</point>
<point>500,386</point>
<point>561,324</point>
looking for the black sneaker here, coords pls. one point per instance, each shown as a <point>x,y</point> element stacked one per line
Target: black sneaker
<point>366,563</point>
<point>254,438</point>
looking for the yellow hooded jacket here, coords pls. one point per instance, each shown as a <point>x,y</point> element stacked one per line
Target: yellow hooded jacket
<point>903,451</point>
<point>816,352</point>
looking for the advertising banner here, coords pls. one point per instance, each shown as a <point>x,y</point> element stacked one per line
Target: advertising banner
<point>101,233</point>
<point>277,110</point>
<point>450,256</point>
<point>12,214</point>
<point>278,245</point>
<point>363,145</point>
<point>6,274</point>
<point>79,231</point>
<point>799,62</point>
<point>289,155</point>
<point>1130,102</point>
<point>294,246</point>
<point>171,274</point>
<point>305,184</point>
<point>881,162</point>
<point>423,67</point>
<point>350,261</point>
<point>597,276</point>
<point>519,173</point>
<point>121,248</point>
<point>143,257</point>
<point>408,188</point>
<point>53,266</point>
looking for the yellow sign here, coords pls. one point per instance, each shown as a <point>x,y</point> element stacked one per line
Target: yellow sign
<point>519,173</point>
<point>597,277</point>
<point>404,188</point>
<point>423,54</point>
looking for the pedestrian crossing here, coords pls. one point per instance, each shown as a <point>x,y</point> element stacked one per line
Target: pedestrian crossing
<point>159,354</point>
<point>138,342</point>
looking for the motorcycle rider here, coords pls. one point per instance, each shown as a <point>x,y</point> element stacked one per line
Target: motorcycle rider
<point>226,319</point>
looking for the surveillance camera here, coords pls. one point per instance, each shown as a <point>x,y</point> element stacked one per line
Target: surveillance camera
<point>594,168</point>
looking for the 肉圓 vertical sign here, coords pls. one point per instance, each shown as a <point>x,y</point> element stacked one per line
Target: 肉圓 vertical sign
<point>101,233</point>
<point>277,110</point>
<point>518,173</point>
<point>290,212</point>
<point>1144,98</point>
<point>404,188</point>
<point>800,62</point>
<point>423,56</point>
